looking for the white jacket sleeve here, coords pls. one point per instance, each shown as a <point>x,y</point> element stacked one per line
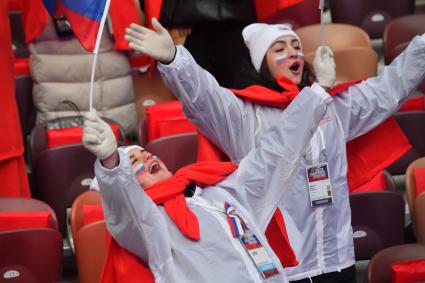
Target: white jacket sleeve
<point>132,218</point>
<point>263,175</point>
<point>216,111</point>
<point>365,105</point>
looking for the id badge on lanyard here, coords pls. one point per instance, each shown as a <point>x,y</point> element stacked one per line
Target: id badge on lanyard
<point>255,250</point>
<point>317,173</point>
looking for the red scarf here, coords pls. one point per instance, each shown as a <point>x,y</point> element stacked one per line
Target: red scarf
<point>367,155</point>
<point>122,266</point>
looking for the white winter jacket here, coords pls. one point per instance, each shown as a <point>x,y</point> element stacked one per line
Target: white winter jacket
<point>321,237</point>
<point>254,189</point>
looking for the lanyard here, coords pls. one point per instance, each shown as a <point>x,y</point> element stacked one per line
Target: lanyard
<point>237,225</point>
<point>317,146</point>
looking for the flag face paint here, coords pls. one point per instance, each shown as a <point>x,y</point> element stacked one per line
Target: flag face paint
<point>139,170</point>
<point>284,58</point>
<point>281,59</point>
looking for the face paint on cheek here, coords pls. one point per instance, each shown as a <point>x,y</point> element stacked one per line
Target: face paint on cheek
<point>282,59</point>
<point>156,158</point>
<point>139,170</point>
<point>300,55</point>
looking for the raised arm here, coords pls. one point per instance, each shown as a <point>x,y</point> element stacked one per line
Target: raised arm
<point>133,220</point>
<point>365,105</point>
<point>264,174</point>
<point>215,110</point>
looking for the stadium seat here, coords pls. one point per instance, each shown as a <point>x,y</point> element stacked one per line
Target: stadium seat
<point>398,34</point>
<point>61,174</point>
<point>372,16</point>
<point>142,134</point>
<point>379,268</point>
<point>38,140</point>
<point>91,251</point>
<point>412,123</point>
<point>419,214</point>
<point>30,243</point>
<point>31,255</point>
<point>377,219</point>
<point>164,119</point>
<point>411,192</point>
<point>77,209</point>
<point>336,36</point>
<point>175,151</point>
<point>89,238</point>
<point>29,205</point>
<point>354,63</point>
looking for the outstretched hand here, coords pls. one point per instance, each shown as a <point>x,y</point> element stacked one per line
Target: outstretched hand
<point>324,66</point>
<point>98,136</point>
<point>156,43</point>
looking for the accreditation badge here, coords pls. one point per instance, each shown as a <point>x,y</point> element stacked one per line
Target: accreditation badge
<point>258,255</point>
<point>319,184</point>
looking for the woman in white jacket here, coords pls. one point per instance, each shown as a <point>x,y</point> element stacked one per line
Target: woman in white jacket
<point>318,220</point>
<point>253,190</point>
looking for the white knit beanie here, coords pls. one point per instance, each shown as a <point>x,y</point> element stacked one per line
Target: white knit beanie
<point>94,185</point>
<point>259,37</point>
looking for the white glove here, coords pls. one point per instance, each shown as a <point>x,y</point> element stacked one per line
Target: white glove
<point>156,43</point>
<point>98,136</point>
<point>324,66</point>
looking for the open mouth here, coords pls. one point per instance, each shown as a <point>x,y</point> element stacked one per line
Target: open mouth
<point>154,167</point>
<point>295,68</point>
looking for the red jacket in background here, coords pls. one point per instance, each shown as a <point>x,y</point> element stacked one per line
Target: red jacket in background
<point>13,177</point>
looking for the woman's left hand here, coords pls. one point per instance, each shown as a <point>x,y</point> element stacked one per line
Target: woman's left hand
<point>324,67</point>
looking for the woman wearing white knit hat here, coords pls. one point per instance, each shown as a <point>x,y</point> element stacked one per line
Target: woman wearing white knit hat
<point>316,204</point>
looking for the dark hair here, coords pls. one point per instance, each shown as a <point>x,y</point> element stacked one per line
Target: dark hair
<point>307,79</point>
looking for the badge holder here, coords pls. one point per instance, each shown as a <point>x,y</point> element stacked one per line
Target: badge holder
<point>317,173</point>
<point>255,250</point>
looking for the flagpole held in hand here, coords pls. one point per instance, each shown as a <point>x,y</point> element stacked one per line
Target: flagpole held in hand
<point>96,51</point>
<point>322,32</point>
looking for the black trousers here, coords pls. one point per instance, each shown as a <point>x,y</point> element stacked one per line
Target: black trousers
<point>347,275</point>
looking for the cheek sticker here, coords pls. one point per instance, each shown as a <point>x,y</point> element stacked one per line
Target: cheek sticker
<point>156,158</point>
<point>139,170</point>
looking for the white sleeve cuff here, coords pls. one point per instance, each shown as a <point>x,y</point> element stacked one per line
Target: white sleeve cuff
<point>321,92</point>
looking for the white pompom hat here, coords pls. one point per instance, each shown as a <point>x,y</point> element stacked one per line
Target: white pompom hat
<point>259,37</point>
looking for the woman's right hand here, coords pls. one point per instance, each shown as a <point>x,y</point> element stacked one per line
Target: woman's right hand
<point>98,137</point>
<point>156,43</point>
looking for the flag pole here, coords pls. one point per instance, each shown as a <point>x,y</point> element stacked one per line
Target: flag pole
<point>96,51</point>
<point>322,31</point>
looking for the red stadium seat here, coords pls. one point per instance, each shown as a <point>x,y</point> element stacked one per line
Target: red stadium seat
<point>30,243</point>
<point>31,255</point>
<point>379,268</point>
